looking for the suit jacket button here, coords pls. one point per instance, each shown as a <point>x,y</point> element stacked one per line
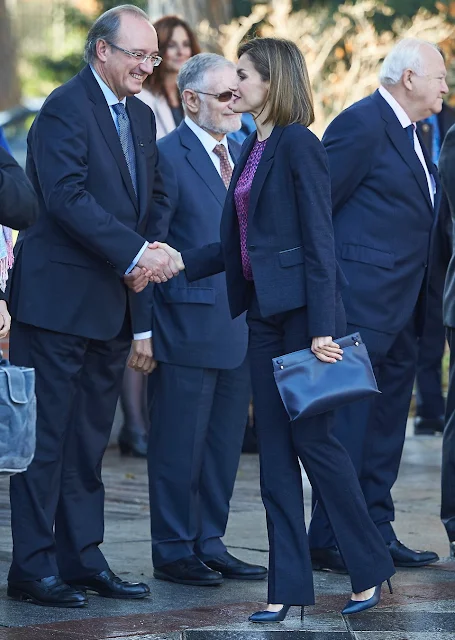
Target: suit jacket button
<point>252,247</point>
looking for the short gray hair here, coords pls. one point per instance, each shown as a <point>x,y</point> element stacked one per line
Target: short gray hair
<point>192,73</point>
<point>106,28</point>
<point>407,54</point>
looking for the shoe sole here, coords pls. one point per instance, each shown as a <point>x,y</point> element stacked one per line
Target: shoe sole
<point>20,596</point>
<point>411,565</point>
<point>233,576</point>
<point>195,583</point>
<point>320,567</point>
<point>107,594</point>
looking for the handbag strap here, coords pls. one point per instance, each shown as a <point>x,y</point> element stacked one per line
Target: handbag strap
<point>16,384</point>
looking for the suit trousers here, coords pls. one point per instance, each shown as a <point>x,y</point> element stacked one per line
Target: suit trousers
<point>429,398</point>
<point>77,386</point>
<point>373,431</point>
<point>195,440</point>
<point>329,469</point>
<point>448,448</point>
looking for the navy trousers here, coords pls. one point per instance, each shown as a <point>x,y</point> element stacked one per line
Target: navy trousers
<point>281,445</point>
<point>195,440</point>
<point>429,399</point>
<point>373,431</point>
<point>448,449</point>
<point>77,386</point>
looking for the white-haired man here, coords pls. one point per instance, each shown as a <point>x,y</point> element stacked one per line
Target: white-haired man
<point>202,386</point>
<point>386,195</point>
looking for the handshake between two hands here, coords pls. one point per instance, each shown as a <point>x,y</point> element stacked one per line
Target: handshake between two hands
<point>158,263</point>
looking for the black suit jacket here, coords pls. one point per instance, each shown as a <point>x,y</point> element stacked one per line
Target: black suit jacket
<point>447,172</point>
<point>69,269</point>
<point>290,234</point>
<point>192,325</point>
<point>18,201</point>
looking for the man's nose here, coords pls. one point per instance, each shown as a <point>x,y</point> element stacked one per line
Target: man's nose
<point>147,67</point>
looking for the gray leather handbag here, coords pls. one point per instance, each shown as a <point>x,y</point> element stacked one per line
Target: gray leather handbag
<point>17,417</point>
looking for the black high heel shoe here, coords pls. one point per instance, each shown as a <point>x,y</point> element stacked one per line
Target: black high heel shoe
<point>132,443</point>
<point>356,606</point>
<point>273,616</point>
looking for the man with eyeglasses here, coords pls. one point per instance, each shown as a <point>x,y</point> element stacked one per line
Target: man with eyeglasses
<point>92,159</point>
<point>201,387</point>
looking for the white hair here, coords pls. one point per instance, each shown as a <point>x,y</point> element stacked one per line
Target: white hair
<point>407,54</point>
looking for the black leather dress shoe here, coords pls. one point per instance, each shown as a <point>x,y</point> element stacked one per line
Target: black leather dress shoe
<point>108,585</point>
<point>328,559</point>
<point>231,567</point>
<point>132,443</point>
<point>428,426</point>
<point>48,592</point>
<point>404,557</point>
<point>452,549</point>
<point>189,570</point>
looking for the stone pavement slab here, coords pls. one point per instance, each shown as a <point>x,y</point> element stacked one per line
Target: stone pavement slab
<point>421,608</point>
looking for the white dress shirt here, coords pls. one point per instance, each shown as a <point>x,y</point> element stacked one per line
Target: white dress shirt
<point>112,99</point>
<point>209,143</point>
<point>405,121</point>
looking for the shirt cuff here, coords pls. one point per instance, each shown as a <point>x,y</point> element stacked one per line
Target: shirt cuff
<point>143,336</point>
<point>137,258</point>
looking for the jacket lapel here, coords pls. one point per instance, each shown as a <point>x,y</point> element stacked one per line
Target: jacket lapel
<point>399,139</point>
<point>201,163</point>
<point>141,168</point>
<point>264,166</point>
<point>106,124</point>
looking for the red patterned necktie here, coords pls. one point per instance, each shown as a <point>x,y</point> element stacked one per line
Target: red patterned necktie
<point>226,169</point>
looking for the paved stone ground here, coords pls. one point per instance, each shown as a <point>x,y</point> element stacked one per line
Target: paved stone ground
<point>422,607</point>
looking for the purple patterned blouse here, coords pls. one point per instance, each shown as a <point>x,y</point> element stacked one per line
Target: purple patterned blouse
<point>242,199</point>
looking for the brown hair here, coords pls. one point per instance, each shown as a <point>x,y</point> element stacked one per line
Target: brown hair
<point>281,63</point>
<point>165,28</point>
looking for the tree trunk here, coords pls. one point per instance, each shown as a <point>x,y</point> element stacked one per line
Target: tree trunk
<point>10,89</point>
<point>194,11</point>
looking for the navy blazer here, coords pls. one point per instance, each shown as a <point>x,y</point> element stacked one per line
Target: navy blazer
<point>290,234</point>
<point>383,217</point>
<point>192,325</point>
<point>69,269</point>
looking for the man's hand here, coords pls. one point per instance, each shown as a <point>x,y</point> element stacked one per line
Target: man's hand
<point>5,320</point>
<point>158,265</point>
<point>136,280</point>
<point>173,254</point>
<point>141,356</point>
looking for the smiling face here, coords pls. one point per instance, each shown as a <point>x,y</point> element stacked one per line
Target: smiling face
<point>250,90</point>
<point>206,110</point>
<point>120,71</point>
<point>178,50</point>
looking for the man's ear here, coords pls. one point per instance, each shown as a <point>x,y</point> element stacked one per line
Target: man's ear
<point>191,100</point>
<point>407,78</point>
<point>101,50</point>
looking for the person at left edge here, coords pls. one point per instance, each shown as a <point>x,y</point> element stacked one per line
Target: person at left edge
<point>92,159</point>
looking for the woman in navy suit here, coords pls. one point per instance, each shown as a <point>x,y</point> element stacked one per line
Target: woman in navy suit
<point>277,249</point>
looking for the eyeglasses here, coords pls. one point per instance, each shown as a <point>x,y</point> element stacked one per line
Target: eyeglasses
<point>221,97</point>
<point>140,57</point>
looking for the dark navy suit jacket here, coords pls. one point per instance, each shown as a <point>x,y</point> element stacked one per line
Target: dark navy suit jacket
<point>192,325</point>
<point>69,269</point>
<point>382,214</point>
<point>290,234</point>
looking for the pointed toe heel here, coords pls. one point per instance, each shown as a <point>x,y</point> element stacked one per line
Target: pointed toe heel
<point>271,616</point>
<point>357,606</point>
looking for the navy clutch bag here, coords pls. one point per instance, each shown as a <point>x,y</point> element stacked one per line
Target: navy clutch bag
<point>309,387</point>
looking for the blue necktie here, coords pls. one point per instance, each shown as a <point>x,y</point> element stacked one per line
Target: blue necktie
<point>410,131</point>
<point>126,140</point>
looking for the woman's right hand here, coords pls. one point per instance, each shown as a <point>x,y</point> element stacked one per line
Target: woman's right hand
<point>326,350</point>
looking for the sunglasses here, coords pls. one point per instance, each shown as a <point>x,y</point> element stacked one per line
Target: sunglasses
<point>221,97</point>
